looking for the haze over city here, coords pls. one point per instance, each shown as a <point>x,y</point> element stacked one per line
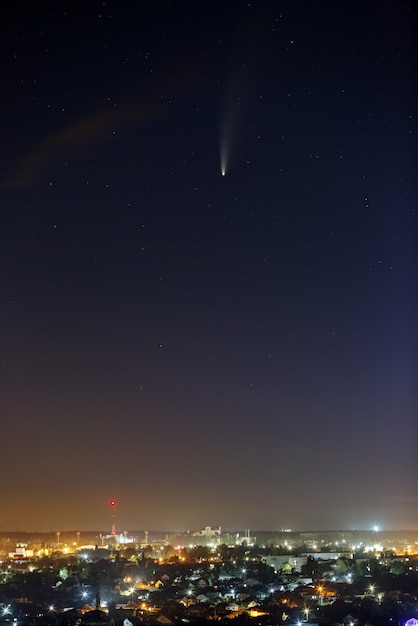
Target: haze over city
<point>209,265</point>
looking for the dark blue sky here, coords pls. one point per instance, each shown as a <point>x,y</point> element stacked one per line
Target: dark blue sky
<point>237,351</point>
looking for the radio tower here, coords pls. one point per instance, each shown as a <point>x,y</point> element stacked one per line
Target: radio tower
<point>113,507</point>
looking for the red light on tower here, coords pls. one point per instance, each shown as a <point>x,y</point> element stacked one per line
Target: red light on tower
<point>113,505</point>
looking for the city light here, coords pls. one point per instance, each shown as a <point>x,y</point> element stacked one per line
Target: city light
<point>135,591</point>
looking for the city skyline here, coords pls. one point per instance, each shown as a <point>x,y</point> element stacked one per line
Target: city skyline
<point>364,538</point>
<point>209,265</point>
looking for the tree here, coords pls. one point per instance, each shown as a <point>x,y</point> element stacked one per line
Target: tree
<point>397,567</point>
<point>340,567</point>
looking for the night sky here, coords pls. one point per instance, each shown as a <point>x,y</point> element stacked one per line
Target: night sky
<point>237,350</point>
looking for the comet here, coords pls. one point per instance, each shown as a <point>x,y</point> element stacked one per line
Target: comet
<point>227,138</point>
<point>224,154</point>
